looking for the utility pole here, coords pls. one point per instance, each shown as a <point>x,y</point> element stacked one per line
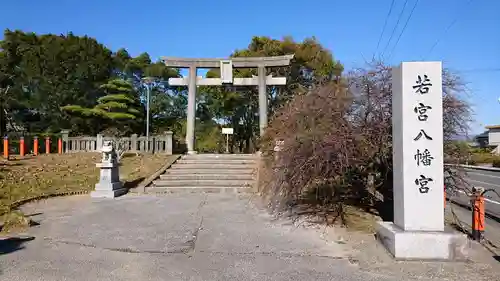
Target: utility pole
<point>148,81</point>
<point>147,112</point>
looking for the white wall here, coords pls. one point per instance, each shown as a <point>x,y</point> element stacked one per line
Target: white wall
<point>494,137</point>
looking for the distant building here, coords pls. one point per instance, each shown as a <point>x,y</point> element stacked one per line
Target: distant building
<point>489,139</point>
<point>482,140</point>
<point>493,135</point>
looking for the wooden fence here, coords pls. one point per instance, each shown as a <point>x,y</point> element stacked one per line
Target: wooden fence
<point>155,144</point>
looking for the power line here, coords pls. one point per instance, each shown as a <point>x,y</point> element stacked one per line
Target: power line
<point>395,27</point>
<point>444,33</point>
<point>476,70</point>
<point>402,31</point>
<point>385,25</point>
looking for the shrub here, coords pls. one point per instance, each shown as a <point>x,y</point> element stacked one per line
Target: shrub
<point>471,161</point>
<point>339,133</point>
<point>483,158</point>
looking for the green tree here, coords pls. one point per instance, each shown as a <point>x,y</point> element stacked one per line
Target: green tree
<point>312,65</point>
<point>47,71</point>
<point>167,105</point>
<point>118,109</point>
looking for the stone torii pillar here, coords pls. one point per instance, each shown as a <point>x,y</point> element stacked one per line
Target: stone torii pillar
<point>226,67</point>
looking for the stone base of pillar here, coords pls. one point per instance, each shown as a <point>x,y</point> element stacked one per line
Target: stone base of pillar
<point>109,185</point>
<point>111,191</point>
<point>445,245</point>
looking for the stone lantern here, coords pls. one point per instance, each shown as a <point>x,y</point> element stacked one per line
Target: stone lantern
<point>109,185</point>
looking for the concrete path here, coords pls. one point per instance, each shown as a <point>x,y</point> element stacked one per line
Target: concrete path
<point>202,237</point>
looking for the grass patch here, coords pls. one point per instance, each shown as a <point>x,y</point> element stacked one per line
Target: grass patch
<point>44,175</point>
<point>358,219</point>
<point>353,218</point>
<point>15,221</point>
<point>483,158</point>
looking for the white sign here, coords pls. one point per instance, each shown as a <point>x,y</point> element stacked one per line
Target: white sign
<point>226,71</point>
<point>418,146</point>
<point>227,131</point>
<point>278,145</point>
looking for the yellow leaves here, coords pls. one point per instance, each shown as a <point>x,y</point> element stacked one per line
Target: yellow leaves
<point>15,221</point>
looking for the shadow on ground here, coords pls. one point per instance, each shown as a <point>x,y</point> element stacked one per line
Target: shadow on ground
<point>12,244</point>
<point>33,214</point>
<point>131,184</point>
<point>330,203</point>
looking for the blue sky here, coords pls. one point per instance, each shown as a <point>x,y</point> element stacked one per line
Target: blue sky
<point>350,29</point>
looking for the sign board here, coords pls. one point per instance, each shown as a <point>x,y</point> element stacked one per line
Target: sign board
<point>226,71</point>
<point>227,131</point>
<point>278,145</point>
<point>417,125</point>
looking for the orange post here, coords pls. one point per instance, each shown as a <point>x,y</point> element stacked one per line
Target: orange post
<point>6,147</point>
<point>35,146</point>
<point>59,146</point>
<point>47,145</point>
<point>445,196</point>
<point>21,146</point>
<point>478,217</point>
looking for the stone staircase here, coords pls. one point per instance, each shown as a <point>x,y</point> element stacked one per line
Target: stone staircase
<point>208,173</point>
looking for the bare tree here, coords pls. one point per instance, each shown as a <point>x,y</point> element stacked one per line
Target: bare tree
<point>340,134</point>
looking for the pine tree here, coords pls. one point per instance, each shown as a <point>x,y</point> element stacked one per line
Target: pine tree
<point>120,108</point>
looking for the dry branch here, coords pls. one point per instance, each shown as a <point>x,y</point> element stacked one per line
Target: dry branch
<point>338,134</point>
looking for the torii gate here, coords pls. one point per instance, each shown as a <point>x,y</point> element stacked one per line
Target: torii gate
<point>226,70</point>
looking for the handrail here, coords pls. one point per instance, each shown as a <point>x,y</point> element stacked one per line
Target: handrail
<point>484,168</point>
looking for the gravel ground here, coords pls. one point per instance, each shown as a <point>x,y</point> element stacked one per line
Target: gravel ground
<point>203,237</point>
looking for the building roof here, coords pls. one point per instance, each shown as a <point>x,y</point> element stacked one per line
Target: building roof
<point>493,127</point>
<point>482,135</point>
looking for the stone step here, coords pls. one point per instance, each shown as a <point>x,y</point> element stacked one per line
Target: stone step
<point>195,182</point>
<point>216,161</point>
<point>179,166</point>
<point>209,171</point>
<point>198,189</point>
<point>219,156</point>
<point>214,176</point>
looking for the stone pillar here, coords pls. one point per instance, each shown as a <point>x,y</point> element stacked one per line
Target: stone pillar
<point>417,129</point>
<point>133,143</point>
<point>98,143</point>
<point>65,139</point>
<point>278,147</point>
<point>142,145</point>
<point>261,71</point>
<point>168,142</point>
<point>157,142</point>
<point>191,110</point>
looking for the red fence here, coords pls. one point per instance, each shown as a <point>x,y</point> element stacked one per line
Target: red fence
<point>35,144</point>
<point>31,145</point>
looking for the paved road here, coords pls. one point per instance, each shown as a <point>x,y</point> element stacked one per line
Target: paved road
<point>488,180</point>
<point>491,230</point>
<point>203,237</point>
